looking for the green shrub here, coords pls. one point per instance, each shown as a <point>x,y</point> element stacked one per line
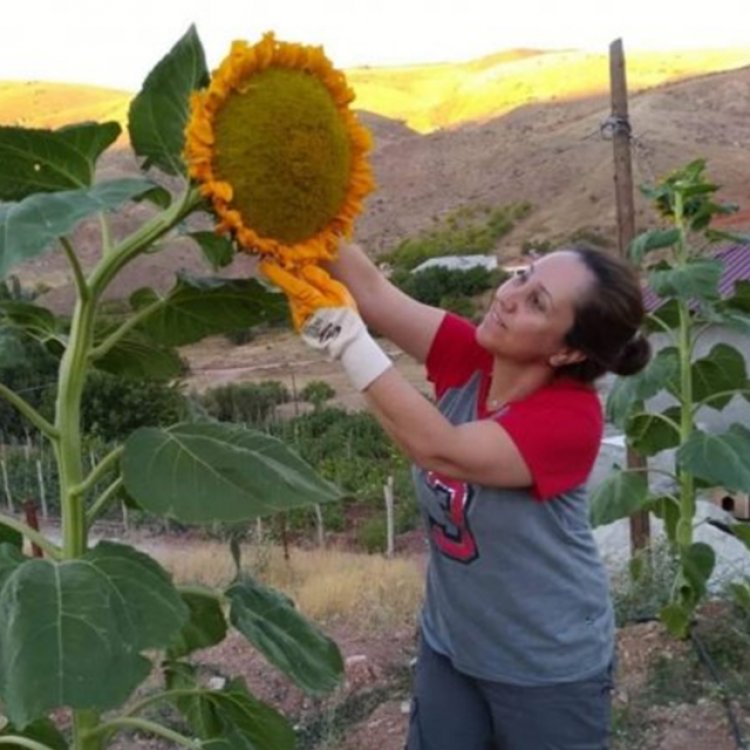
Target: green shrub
<point>590,236</point>
<point>27,368</point>
<point>643,588</point>
<point>469,230</point>
<point>435,284</point>
<point>240,337</point>
<point>462,306</point>
<point>372,534</point>
<point>317,392</point>
<point>350,449</point>
<point>536,247</point>
<point>24,466</point>
<point>114,406</point>
<point>248,403</point>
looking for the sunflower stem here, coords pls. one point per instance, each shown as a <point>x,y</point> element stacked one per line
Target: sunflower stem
<point>81,285</point>
<point>103,500</point>
<point>132,322</point>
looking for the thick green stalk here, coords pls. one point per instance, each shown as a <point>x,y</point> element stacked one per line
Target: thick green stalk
<point>147,726</point>
<point>133,245</point>
<point>32,535</point>
<point>103,500</point>
<point>85,731</point>
<point>87,734</point>
<point>68,423</point>
<point>132,322</point>
<point>685,348</point>
<point>25,742</point>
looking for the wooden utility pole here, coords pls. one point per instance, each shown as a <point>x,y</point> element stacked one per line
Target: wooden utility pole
<point>620,128</point>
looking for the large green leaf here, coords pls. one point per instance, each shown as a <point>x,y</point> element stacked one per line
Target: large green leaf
<point>731,319</point>
<point>41,730</point>
<point>618,496</point>
<point>34,320</point>
<point>666,316</point>
<point>28,228</point>
<point>196,308</point>
<point>269,620</point>
<point>81,624</point>
<point>722,369</point>
<point>10,558</point>
<point>650,433</point>
<point>138,356</point>
<point>676,617</point>
<point>10,536</point>
<point>153,605</point>
<point>742,532</point>
<point>697,565</point>
<point>205,627</point>
<point>159,113</point>
<point>626,394</point>
<point>719,459</point>
<point>733,312</point>
<point>668,510</point>
<point>229,718</point>
<point>12,351</point>
<point>697,279</point>
<point>218,249</point>
<point>43,161</point>
<point>653,239</point>
<point>90,139</point>
<point>740,299</point>
<point>200,473</point>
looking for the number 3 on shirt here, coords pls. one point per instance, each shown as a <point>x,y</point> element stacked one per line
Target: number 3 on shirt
<point>452,534</point>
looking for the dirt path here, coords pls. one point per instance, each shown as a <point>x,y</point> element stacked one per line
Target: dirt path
<point>281,356</point>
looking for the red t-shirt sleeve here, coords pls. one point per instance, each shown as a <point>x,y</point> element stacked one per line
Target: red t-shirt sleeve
<point>558,433</point>
<point>454,355</point>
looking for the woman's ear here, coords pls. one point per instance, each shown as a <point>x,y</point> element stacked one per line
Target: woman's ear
<point>566,357</point>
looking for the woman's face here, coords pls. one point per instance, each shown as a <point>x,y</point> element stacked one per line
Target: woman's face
<point>531,312</point>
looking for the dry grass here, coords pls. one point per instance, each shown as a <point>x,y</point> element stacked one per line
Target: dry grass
<point>369,591</point>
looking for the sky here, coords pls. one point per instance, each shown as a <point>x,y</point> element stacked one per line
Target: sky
<point>115,44</point>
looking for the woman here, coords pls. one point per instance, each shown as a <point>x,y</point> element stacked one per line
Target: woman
<point>517,627</point>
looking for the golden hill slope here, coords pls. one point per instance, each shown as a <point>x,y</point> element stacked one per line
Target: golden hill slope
<point>425,97</point>
<point>35,104</point>
<point>437,96</point>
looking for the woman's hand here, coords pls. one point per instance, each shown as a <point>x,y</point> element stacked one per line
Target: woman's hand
<point>325,315</point>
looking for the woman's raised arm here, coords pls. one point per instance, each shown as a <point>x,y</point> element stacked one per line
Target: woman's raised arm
<point>409,324</point>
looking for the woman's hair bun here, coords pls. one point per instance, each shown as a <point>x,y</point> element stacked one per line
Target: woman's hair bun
<point>634,356</point>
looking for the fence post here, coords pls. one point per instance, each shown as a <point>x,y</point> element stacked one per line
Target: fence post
<point>640,531</point>
<point>389,526</point>
<point>284,535</point>
<point>42,494</point>
<point>320,526</point>
<point>6,486</point>
<point>29,508</point>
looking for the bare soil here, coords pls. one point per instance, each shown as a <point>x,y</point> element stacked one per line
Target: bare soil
<point>280,356</point>
<point>370,710</point>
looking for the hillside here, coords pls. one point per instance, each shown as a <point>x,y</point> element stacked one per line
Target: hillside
<point>553,156</point>
<point>430,97</point>
<point>548,153</point>
<point>425,97</point>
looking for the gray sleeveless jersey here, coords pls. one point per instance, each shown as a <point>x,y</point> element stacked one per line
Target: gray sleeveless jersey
<point>516,590</point>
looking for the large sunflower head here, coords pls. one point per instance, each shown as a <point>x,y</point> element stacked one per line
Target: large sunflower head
<point>275,147</point>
